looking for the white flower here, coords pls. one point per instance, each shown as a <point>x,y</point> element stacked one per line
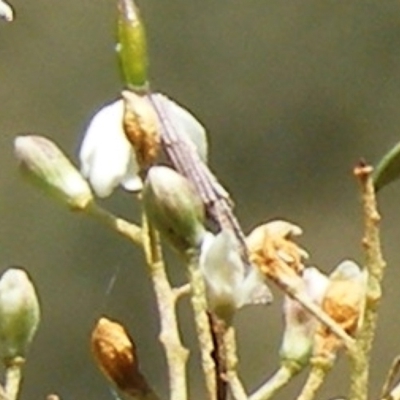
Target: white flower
<point>108,159</point>
<point>6,12</point>
<point>228,286</point>
<point>106,156</point>
<point>298,337</point>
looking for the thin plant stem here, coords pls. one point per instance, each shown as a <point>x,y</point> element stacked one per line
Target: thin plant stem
<point>176,353</point>
<point>280,379</point>
<point>13,377</point>
<point>235,384</point>
<point>316,311</point>
<point>120,225</point>
<point>316,377</point>
<point>394,393</point>
<point>394,370</point>
<point>375,265</point>
<point>199,305</point>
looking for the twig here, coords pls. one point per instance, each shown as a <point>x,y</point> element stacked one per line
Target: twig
<point>280,379</point>
<point>176,354</point>
<point>319,369</point>
<point>375,265</point>
<point>199,305</point>
<point>181,291</point>
<point>123,227</point>
<point>13,377</point>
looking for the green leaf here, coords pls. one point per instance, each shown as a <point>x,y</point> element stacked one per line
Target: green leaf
<point>132,46</point>
<point>388,168</point>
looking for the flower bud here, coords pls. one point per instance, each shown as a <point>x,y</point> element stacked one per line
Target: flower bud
<point>6,11</point>
<point>19,313</point>
<point>174,207</point>
<point>132,46</point>
<point>115,354</point>
<point>141,128</point>
<point>45,164</point>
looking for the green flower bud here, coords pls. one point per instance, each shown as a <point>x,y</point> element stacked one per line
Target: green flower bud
<point>44,163</point>
<point>174,207</point>
<point>132,46</point>
<point>19,313</point>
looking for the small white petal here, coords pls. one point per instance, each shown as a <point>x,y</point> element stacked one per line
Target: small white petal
<point>221,265</point>
<point>106,156</point>
<point>253,289</point>
<point>316,283</point>
<point>6,12</point>
<point>347,269</point>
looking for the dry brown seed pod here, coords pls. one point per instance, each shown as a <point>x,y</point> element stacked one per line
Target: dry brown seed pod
<point>115,354</point>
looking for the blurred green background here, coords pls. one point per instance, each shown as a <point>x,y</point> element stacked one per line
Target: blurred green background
<point>293,94</point>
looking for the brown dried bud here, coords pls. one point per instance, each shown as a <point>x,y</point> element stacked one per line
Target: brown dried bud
<point>115,354</point>
<point>271,248</point>
<point>141,128</point>
<point>344,302</point>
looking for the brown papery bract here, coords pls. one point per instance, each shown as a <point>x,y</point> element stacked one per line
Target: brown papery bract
<point>141,128</point>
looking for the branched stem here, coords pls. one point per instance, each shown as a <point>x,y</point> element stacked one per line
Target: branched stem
<point>199,305</point>
<point>319,369</point>
<point>176,354</point>
<point>280,379</point>
<point>375,265</point>
<point>123,227</point>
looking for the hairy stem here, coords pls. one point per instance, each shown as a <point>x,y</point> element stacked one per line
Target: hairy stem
<point>235,385</point>
<point>175,352</point>
<point>375,265</point>
<point>199,305</point>
<point>316,377</point>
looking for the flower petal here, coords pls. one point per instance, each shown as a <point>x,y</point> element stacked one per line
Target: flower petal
<point>223,270</point>
<point>253,289</point>
<point>106,156</point>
